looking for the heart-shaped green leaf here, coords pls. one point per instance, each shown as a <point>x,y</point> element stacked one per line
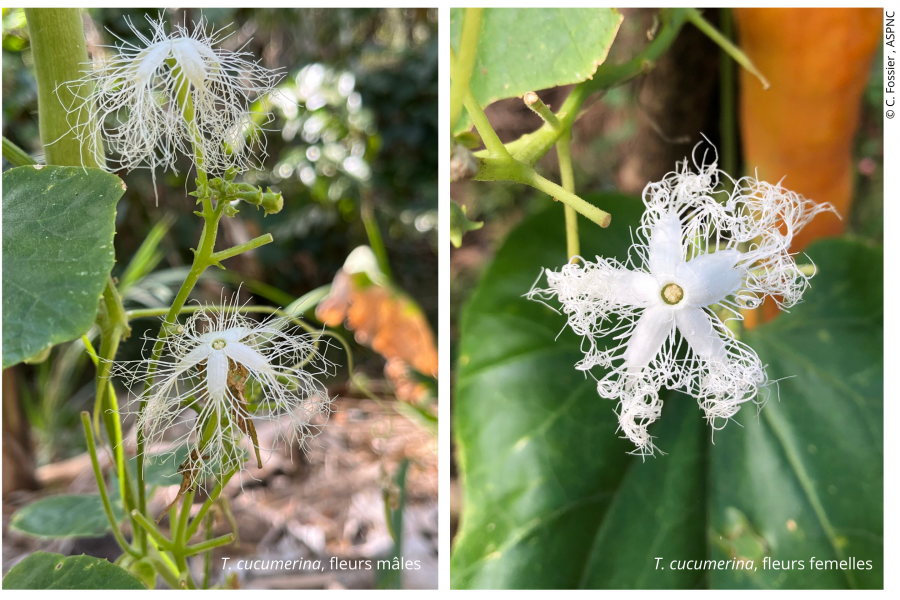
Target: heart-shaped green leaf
<point>47,571</point>
<point>63,516</point>
<point>553,500</point>
<point>530,49</point>
<point>58,228</point>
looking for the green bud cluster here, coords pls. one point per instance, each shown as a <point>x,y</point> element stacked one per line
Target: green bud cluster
<point>223,189</point>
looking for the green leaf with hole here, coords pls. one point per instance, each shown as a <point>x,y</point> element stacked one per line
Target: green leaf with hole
<point>530,49</point>
<point>47,571</point>
<point>552,499</point>
<point>58,228</point>
<point>64,516</point>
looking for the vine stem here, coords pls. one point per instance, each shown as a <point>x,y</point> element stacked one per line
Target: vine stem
<point>485,130</point>
<point>463,63</point>
<point>694,16</point>
<point>373,232</point>
<point>499,169</point>
<point>567,175</point>
<point>113,326</point>
<point>59,52</point>
<point>728,119</point>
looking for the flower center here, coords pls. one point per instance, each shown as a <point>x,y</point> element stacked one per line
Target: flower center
<point>218,344</point>
<point>672,293</point>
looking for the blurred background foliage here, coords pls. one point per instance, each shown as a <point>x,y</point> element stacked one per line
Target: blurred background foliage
<point>355,134</point>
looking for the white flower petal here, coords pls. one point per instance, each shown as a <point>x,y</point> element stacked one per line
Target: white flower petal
<point>697,328</point>
<point>217,375</point>
<point>187,55</point>
<point>665,251</point>
<point>709,278</point>
<point>132,102</point>
<point>247,356</point>
<point>195,356</point>
<point>234,334</point>
<point>648,336</point>
<point>150,60</point>
<point>633,288</point>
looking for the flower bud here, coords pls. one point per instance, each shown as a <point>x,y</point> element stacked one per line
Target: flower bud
<point>272,202</point>
<point>248,193</point>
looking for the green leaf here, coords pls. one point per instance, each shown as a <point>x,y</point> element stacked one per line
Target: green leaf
<point>460,223</point>
<point>808,474</point>
<point>554,500</point>
<point>47,571</point>
<point>58,227</point>
<point>64,516</point>
<point>530,49</point>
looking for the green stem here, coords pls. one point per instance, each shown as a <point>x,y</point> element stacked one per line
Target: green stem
<point>113,328</point>
<point>600,217</point>
<point>107,406</point>
<point>537,105</point>
<point>494,169</point>
<point>151,529</point>
<point>15,155</point>
<point>208,504</point>
<point>104,496</point>
<point>464,63</point>
<point>183,517</point>
<point>241,248</point>
<point>60,54</point>
<point>567,175</point>
<point>728,120</point>
<point>165,566</point>
<point>187,580</point>
<point>694,16</point>
<point>209,544</point>
<point>114,431</point>
<point>485,130</point>
<point>376,242</point>
<point>168,573</point>
<point>207,558</point>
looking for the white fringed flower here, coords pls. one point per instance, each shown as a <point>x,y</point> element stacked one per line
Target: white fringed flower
<point>700,253</point>
<point>220,372</point>
<point>134,101</point>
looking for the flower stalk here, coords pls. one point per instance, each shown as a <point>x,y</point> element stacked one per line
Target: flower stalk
<point>567,175</point>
